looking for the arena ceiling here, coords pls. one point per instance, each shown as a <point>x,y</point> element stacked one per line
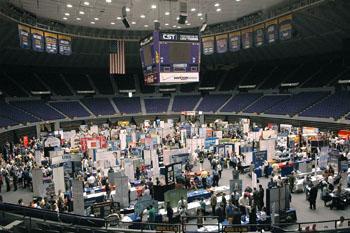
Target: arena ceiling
<point>142,13</point>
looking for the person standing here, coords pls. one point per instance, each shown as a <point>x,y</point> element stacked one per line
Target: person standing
<point>213,203</point>
<point>291,180</point>
<point>313,197</point>
<point>169,212</point>
<point>261,196</point>
<point>220,212</point>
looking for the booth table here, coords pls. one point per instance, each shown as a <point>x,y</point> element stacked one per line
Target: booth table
<point>198,194</point>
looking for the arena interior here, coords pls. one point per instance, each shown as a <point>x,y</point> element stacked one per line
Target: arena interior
<point>174,116</point>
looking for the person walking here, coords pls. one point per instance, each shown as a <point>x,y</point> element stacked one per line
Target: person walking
<point>313,197</point>
<point>169,212</point>
<point>213,203</point>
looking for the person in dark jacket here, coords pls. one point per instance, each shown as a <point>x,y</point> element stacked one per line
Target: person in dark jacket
<point>313,197</point>
<point>236,216</point>
<point>169,212</point>
<point>220,212</point>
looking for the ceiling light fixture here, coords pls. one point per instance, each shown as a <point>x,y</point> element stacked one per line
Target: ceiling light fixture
<point>216,4</point>
<point>112,23</point>
<point>96,19</point>
<point>166,24</point>
<point>143,16</point>
<point>127,9</point>
<point>133,22</point>
<point>86,3</point>
<point>193,9</point>
<point>188,24</point>
<point>199,14</point>
<point>69,5</point>
<point>174,26</point>
<point>78,18</point>
<point>119,18</point>
<point>108,1</point>
<point>65,18</point>
<point>218,10</point>
<point>146,26</point>
<point>155,21</point>
<point>66,14</point>
<point>92,22</point>
<point>81,12</point>
<point>167,13</point>
<point>154,6</point>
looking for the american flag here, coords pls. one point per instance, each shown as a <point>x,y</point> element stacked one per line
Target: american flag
<point>117,57</point>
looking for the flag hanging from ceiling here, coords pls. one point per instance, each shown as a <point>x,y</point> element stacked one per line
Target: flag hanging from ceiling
<point>117,57</point>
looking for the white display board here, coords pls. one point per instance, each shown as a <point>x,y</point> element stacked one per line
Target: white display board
<point>147,156</point>
<point>270,146</point>
<point>122,137</point>
<point>129,169</point>
<point>104,160</point>
<point>155,164</point>
<point>78,197</point>
<point>37,179</point>
<point>58,179</point>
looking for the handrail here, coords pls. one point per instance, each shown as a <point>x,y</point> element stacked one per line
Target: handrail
<point>85,221</point>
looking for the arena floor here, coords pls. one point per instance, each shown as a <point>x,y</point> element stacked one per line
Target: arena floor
<point>304,214</point>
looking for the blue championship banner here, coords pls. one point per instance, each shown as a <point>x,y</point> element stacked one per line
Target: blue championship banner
<point>247,38</point>
<point>235,41</point>
<point>24,36</point>
<point>259,35</point>
<point>271,31</point>
<point>65,45</point>
<point>50,42</point>
<point>208,45</point>
<point>221,43</point>
<point>285,27</point>
<point>38,43</point>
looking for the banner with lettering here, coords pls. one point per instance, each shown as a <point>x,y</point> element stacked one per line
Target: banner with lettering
<point>235,41</point>
<point>24,36</point>
<point>50,42</point>
<point>247,38</point>
<point>271,30</point>
<point>285,27</point>
<point>65,45</point>
<point>221,43</point>
<point>208,45</point>
<point>259,35</point>
<point>38,43</point>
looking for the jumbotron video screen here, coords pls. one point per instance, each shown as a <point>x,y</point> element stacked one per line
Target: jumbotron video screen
<point>170,58</point>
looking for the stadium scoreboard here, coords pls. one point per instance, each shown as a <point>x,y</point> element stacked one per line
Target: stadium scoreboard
<point>170,58</point>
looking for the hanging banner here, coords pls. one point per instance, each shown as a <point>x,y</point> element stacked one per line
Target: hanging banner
<point>247,38</point>
<point>221,43</point>
<point>50,42</point>
<point>65,44</point>
<point>235,41</point>
<point>38,43</point>
<point>208,45</point>
<point>259,35</point>
<point>285,27</point>
<point>271,31</point>
<point>24,34</point>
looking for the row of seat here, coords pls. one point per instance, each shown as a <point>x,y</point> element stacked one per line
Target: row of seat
<point>321,104</point>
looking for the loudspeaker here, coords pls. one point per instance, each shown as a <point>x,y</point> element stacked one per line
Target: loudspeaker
<point>126,23</point>
<point>182,19</point>
<point>183,12</point>
<point>183,8</point>
<point>157,26</point>
<point>124,14</point>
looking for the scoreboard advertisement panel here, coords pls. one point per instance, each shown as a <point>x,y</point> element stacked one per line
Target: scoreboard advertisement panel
<point>169,58</point>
